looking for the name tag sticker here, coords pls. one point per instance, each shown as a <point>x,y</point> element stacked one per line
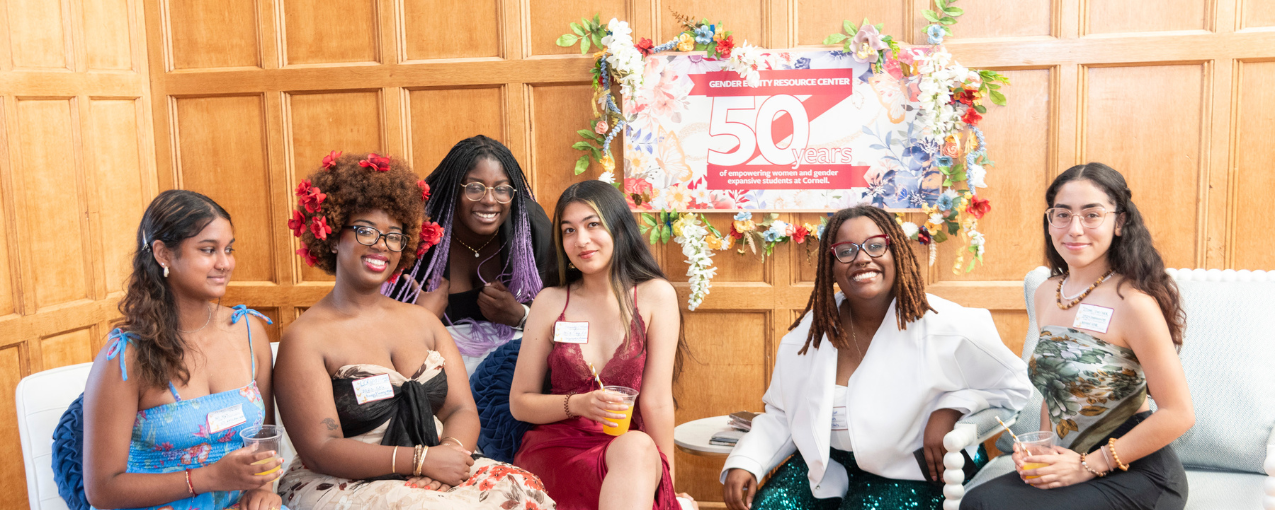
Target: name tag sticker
<point>372,389</point>
<point>840,420</point>
<point>226,418</point>
<point>1093,318</point>
<point>571,332</point>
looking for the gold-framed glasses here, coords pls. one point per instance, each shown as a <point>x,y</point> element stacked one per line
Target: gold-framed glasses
<point>475,191</point>
<point>1090,217</point>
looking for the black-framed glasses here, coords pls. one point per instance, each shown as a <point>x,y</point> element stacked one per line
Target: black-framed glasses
<point>475,191</point>
<point>1090,217</point>
<point>368,236</point>
<point>874,246</point>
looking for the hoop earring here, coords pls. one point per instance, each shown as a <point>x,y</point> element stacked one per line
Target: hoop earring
<point>165,270</point>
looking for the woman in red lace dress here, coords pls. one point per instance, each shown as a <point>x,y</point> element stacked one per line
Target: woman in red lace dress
<point>634,339</point>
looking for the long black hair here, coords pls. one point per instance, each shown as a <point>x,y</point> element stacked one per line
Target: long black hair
<point>149,309</point>
<point>631,261</point>
<point>525,231</point>
<point>1132,254</point>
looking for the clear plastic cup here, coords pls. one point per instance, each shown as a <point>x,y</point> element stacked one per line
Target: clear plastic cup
<point>629,397</point>
<point>1037,443</point>
<point>263,438</point>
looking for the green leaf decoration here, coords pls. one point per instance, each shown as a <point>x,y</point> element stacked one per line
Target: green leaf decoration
<point>597,153</point>
<point>596,20</point>
<point>954,11</point>
<point>835,39</point>
<point>939,236</point>
<point>567,40</point>
<point>576,28</point>
<point>947,20</point>
<point>947,31</point>
<point>582,164</point>
<point>953,227</point>
<point>942,4</point>
<point>849,27</point>
<point>880,27</point>
<point>980,108</point>
<point>648,219</point>
<point>664,235</point>
<point>998,98</point>
<point>584,45</point>
<point>931,16</point>
<point>597,39</point>
<point>584,22</point>
<point>581,146</point>
<point>655,236</point>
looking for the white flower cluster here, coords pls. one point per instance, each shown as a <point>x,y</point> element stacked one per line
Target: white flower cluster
<point>699,257</point>
<point>623,57</point>
<point>939,114</point>
<point>749,61</point>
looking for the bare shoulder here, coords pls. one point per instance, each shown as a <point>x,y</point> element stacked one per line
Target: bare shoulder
<point>1137,303</point>
<point>550,298</point>
<point>414,314</point>
<point>658,291</point>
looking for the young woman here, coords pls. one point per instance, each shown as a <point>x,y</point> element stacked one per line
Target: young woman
<point>855,423</point>
<point>633,338</point>
<point>1111,323</point>
<point>180,376</point>
<point>362,376</point>
<point>495,252</point>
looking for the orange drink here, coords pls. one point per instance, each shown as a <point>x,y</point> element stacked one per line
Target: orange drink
<point>1036,443</point>
<point>1033,465</point>
<point>628,397</point>
<point>263,438</point>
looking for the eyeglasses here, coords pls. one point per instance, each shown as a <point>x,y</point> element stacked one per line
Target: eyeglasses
<point>1090,217</point>
<point>475,191</point>
<point>874,246</point>
<point>368,236</point>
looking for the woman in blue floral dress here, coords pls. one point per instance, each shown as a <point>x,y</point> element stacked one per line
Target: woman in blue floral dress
<point>180,376</point>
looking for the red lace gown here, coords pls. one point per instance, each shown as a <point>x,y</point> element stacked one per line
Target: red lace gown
<point>569,456</point>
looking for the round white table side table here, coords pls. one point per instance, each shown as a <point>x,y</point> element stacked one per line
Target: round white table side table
<point>692,437</point>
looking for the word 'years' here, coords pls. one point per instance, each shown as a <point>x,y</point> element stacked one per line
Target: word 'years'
<point>816,156</point>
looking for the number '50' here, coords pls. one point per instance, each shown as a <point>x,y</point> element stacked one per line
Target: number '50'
<point>740,118</point>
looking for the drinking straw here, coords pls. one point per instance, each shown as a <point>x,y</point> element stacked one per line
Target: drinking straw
<point>596,378</point>
<point>1011,433</point>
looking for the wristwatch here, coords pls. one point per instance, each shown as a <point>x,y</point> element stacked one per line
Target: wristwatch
<point>526,312</point>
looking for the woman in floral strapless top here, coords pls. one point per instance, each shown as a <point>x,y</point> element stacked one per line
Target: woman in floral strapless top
<point>1111,323</point>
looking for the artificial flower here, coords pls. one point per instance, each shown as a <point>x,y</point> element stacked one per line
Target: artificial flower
<point>313,199</point>
<point>935,34</point>
<point>944,203</point>
<point>923,235</point>
<point>820,230</point>
<point>944,161</point>
<point>867,42</point>
<point>329,161</point>
<point>607,177</point>
<point>685,42</point>
<point>974,175</point>
<point>966,96</point>
<point>376,162</point>
<point>971,117</point>
<point>304,252</point>
<point>431,234</point>
<point>297,223</point>
<point>743,215</point>
<point>319,227</point>
<point>303,188</point>
<point>799,234</point>
<point>394,277</point>
<point>424,186</point>
<point>910,229</point>
<point>600,128</point>
<point>644,46</point>
<point>608,163</point>
<point>978,207</point>
<point>704,34</point>
<point>951,148</point>
<point>977,241</point>
<point>713,242</point>
<point>725,45</point>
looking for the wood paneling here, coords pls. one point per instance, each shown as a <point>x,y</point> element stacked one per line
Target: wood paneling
<point>52,237</point>
<point>69,348</point>
<point>1113,16</point>
<point>436,29</point>
<point>1146,123</point>
<point>121,182</point>
<point>746,18</point>
<point>1257,13</point>
<point>548,19</point>
<point>1012,326</point>
<point>108,26</point>
<point>13,487</point>
<point>212,34</point>
<point>442,117</point>
<point>330,31</point>
<point>816,19</point>
<point>1252,177</point>
<point>38,35</point>
<point>996,18</point>
<point>557,110</point>
<point>222,146</point>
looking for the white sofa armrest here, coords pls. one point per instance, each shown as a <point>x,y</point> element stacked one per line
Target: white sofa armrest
<point>969,431</point>
<point>1268,502</point>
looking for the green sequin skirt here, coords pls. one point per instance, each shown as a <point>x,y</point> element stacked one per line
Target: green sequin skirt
<point>789,488</point>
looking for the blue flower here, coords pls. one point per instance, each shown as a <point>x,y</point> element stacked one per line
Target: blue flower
<point>743,216</point>
<point>770,236</point>
<point>936,34</point>
<point>822,227</point>
<point>944,202</point>
<point>704,34</point>
<point>945,161</point>
<point>802,63</point>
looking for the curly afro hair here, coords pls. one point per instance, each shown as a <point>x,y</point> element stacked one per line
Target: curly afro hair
<point>347,184</point>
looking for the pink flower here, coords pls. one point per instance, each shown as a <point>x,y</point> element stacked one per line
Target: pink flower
<point>313,199</point>
<point>303,188</point>
<point>424,189</point>
<point>376,162</point>
<point>431,234</point>
<point>304,252</point>
<point>867,42</point>
<point>600,128</point>
<point>319,227</point>
<point>329,161</point>
<point>297,223</point>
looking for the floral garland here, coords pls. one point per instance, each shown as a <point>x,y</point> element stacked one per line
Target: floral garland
<point>951,106</point>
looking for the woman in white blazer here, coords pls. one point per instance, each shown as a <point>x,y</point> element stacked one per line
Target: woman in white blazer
<point>852,424</point>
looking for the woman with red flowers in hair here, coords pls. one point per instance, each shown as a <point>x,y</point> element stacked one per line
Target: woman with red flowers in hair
<point>364,376</point>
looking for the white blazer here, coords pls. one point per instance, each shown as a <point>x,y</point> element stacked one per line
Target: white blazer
<point>950,359</point>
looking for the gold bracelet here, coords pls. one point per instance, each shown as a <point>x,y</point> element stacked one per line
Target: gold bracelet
<point>394,462</point>
<point>420,463</point>
<point>458,443</point>
<point>1111,445</point>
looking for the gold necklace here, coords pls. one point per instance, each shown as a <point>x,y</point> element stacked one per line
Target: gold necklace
<point>855,338</point>
<point>1083,295</point>
<point>462,243</point>
<point>206,323</point>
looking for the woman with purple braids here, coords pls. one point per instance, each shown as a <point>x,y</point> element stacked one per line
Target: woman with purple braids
<point>497,245</point>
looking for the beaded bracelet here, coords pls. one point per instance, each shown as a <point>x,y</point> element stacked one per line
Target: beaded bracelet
<point>1089,469</point>
<point>1111,445</point>
<point>566,405</point>
<point>189,486</point>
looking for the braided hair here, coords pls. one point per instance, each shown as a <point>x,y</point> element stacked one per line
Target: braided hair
<point>523,278</point>
<point>908,290</point>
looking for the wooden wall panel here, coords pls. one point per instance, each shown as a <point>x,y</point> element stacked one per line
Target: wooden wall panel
<point>435,29</point>
<point>329,31</point>
<point>442,117</point>
<point>213,34</point>
<point>817,19</point>
<point>731,350</point>
<point>229,165</point>
<point>557,111</point>
<point>321,123</point>
<point>38,35</point>
<point>1012,327</point>
<point>53,231</point>
<point>69,348</point>
<point>13,486</point>
<point>1252,178</point>
<point>1022,18</point>
<point>746,18</point>
<point>108,26</point>
<point>120,183</point>
<point>1112,16</point>
<point>1257,13</point>
<point>548,19</point>
<point>1146,122</point>
<point>1018,137</point>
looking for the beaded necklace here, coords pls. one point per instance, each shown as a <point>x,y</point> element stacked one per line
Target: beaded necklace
<point>1073,302</point>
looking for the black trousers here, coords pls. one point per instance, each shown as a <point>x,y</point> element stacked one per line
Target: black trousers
<point>1156,481</point>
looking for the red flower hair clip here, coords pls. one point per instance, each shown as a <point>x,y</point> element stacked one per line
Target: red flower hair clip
<point>329,161</point>
<point>376,162</point>
<point>431,234</point>
<point>394,277</point>
<point>424,189</point>
<point>297,223</point>
<point>319,227</point>
<point>304,252</point>
<point>303,188</point>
